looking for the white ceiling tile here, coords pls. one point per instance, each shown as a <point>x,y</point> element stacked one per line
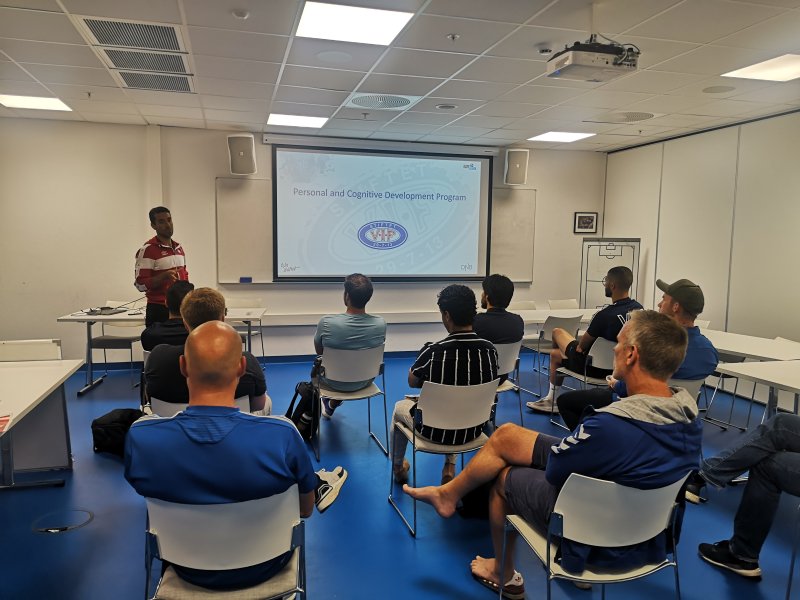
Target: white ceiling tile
<point>474,90</point>
<point>275,16</point>
<point>229,87</point>
<point>436,119</point>
<point>509,11</point>
<point>330,79</point>
<point>239,104</point>
<point>543,79</point>
<point>183,112</point>
<point>740,86</point>
<point>703,21</point>
<point>98,106</point>
<point>232,116</point>
<point>663,104</point>
<point>162,11</point>
<point>787,92</point>
<point>502,70</point>
<point>399,61</point>
<point>397,84</point>
<point>509,109</point>
<point>292,130</point>
<point>526,42</point>
<point>381,116</point>
<point>651,82</point>
<point>678,121</point>
<point>570,113</point>
<point>437,138</point>
<point>232,68</point>
<point>23,88</point>
<point>539,94</point>
<point>713,60</point>
<point>251,127</point>
<point>642,129</point>
<point>89,92</point>
<point>430,33</point>
<point>333,55</point>
<point>394,136</point>
<point>49,5</point>
<point>55,115</point>
<point>471,132</point>
<point>603,99</point>
<point>398,5</point>
<point>784,3</point>
<point>770,109</point>
<point>417,128</point>
<point>655,51</point>
<point>488,141</point>
<point>306,95</point>
<point>306,110</point>
<point>37,25</point>
<point>778,35</point>
<point>609,17</point>
<point>175,121</point>
<point>722,108</point>
<point>354,124</point>
<point>164,98</point>
<point>125,119</point>
<point>484,122</point>
<point>341,133</point>
<point>70,75</point>
<point>462,106</point>
<point>11,72</point>
<point>237,44</point>
<point>74,55</point>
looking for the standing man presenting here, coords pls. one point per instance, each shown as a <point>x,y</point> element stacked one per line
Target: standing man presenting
<point>159,263</point>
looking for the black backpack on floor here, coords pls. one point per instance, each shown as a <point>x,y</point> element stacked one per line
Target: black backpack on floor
<point>306,414</point>
<point>109,431</point>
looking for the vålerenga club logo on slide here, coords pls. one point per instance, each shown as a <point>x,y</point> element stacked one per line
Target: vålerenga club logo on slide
<point>382,235</point>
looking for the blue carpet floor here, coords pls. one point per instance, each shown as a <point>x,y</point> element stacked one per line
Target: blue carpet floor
<point>359,549</point>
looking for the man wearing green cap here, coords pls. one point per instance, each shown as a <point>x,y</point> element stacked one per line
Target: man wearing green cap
<point>682,301</point>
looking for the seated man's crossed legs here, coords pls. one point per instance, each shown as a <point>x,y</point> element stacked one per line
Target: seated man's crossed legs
<point>514,458</point>
<point>564,344</point>
<point>400,466</point>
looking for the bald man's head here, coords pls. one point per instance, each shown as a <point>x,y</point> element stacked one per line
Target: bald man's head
<point>212,357</point>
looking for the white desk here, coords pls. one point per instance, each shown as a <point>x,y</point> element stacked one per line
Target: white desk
<point>136,317</point>
<point>753,347</point>
<point>776,374</point>
<point>37,434</point>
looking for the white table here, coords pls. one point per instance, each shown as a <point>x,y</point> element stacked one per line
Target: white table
<point>776,375</point>
<point>37,434</point>
<point>136,317</point>
<point>750,346</point>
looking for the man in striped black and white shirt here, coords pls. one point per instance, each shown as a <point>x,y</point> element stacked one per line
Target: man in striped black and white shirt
<point>462,358</point>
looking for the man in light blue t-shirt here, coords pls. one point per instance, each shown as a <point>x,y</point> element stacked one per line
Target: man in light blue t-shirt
<point>353,329</point>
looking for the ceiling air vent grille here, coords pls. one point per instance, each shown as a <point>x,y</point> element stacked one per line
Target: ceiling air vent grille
<point>146,61</point>
<point>153,81</point>
<point>134,35</point>
<point>621,117</point>
<point>381,101</point>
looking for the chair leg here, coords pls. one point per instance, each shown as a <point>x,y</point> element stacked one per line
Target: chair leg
<point>369,425</point>
<point>411,530</point>
<point>506,529</point>
<point>553,411</point>
<point>718,422</point>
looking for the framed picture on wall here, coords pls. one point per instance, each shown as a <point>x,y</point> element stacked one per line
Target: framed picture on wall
<point>585,222</point>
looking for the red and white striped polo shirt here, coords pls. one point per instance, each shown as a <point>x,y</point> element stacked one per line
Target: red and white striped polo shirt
<point>154,257</point>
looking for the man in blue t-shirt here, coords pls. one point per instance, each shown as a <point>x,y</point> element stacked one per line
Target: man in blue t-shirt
<point>683,301</point>
<point>353,329</point>
<point>213,454</point>
<point>606,323</point>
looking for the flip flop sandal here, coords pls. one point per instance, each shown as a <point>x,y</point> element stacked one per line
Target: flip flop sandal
<point>514,589</point>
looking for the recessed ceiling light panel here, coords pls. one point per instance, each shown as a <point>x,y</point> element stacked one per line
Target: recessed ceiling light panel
<point>782,68</point>
<point>34,102</point>
<point>296,120</point>
<point>560,136</point>
<point>351,23</point>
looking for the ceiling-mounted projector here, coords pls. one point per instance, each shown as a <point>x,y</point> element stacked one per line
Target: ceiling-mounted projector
<point>593,61</point>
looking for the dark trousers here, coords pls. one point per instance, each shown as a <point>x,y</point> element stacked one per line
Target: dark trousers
<point>772,454</point>
<point>155,313</point>
<point>572,404</point>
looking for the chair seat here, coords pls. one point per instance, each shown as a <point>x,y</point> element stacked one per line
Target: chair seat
<point>589,380</point>
<point>114,342</point>
<point>366,392</point>
<point>172,587</point>
<point>538,543</point>
<point>423,445</point>
<point>507,386</point>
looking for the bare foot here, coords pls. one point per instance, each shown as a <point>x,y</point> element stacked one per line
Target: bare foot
<point>485,568</point>
<point>436,497</point>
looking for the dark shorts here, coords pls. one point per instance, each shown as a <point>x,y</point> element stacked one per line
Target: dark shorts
<point>528,493</point>
<point>576,361</point>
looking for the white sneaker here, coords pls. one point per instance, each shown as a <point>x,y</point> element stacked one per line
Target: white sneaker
<point>328,490</point>
<point>544,405</point>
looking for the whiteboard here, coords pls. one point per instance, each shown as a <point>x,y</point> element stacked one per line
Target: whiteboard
<point>244,231</point>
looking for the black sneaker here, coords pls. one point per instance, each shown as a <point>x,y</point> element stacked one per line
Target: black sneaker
<point>328,489</point>
<point>694,489</point>
<point>720,554</point>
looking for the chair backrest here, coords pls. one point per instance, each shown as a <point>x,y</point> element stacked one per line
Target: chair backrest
<point>610,515</point>
<point>19,350</point>
<point>352,365</point>
<point>566,323</point>
<point>456,406</point>
<point>522,305</point>
<point>170,409</point>
<point>224,536</point>
<point>145,356</point>
<point>702,323</point>
<point>565,303</point>
<point>692,385</point>
<point>507,355</point>
<point>602,354</point>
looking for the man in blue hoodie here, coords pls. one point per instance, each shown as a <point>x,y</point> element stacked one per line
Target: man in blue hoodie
<point>647,440</point>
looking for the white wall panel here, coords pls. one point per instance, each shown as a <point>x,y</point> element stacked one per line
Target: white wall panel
<point>696,216</point>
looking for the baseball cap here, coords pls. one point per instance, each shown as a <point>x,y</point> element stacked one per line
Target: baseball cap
<point>686,293</point>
